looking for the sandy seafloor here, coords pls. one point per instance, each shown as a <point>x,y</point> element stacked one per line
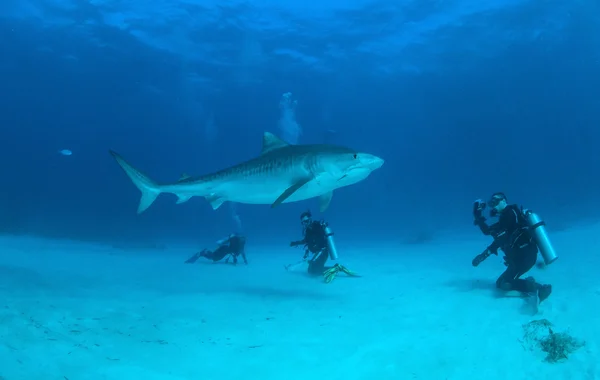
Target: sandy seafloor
<point>82,311</point>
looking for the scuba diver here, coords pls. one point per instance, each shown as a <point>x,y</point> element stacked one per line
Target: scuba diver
<point>318,240</point>
<point>520,234</point>
<point>231,246</point>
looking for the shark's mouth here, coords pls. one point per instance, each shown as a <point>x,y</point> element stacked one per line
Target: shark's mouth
<point>356,174</point>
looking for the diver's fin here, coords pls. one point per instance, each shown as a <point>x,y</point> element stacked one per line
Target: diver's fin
<point>271,142</point>
<point>215,201</point>
<point>325,200</point>
<point>291,190</point>
<point>194,258</point>
<point>330,274</point>
<point>347,271</point>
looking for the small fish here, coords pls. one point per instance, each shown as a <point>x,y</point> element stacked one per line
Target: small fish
<point>65,152</point>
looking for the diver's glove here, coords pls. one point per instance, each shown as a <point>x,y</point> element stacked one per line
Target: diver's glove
<point>482,256</point>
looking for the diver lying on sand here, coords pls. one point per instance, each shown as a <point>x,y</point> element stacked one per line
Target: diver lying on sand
<point>231,246</point>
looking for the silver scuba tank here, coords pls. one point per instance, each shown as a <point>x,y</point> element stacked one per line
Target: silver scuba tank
<point>333,255</point>
<point>538,229</point>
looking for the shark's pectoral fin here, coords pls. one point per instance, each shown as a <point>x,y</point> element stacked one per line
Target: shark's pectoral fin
<point>215,201</point>
<point>182,198</point>
<point>325,200</point>
<point>290,190</point>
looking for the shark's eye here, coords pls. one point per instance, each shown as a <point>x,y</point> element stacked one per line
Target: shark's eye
<point>355,156</point>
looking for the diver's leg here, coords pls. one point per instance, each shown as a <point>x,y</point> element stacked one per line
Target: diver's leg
<point>505,280</point>
<point>529,259</point>
<point>510,279</point>
<point>525,260</point>
<point>197,255</point>
<point>317,265</point>
<point>193,258</point>
<point>323,259</point>
<point>220,253</point>
<point>530,286</point>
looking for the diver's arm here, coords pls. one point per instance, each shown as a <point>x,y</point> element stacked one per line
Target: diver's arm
<point>486,228</point>
<point>223,241</point>
<point>496,229</point>
<point>298,242</point>
<point>303,241</point>
<point>479,219</point>
<point>500,230</point>
<point>492,248</point>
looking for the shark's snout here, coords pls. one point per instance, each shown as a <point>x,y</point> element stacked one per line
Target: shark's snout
<point>372,162</point>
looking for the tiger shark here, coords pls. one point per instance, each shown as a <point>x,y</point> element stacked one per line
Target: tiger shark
<point>282,173</point>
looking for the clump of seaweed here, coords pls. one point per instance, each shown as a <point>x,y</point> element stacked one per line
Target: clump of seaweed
<point>558,346</point>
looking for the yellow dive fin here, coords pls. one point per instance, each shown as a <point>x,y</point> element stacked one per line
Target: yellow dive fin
<point>331,273</point>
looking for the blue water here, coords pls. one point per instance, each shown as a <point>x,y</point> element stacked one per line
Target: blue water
<point>460,98</point>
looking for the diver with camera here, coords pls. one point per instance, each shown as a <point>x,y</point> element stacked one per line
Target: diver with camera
<point>520,234</point>
<point>318,240</point>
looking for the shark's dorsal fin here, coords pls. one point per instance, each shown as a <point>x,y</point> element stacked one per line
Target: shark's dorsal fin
<point>184,176</point>
<point>271,142</point>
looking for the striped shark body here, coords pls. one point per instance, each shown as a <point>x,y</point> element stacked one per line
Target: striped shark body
<point>282,173</point>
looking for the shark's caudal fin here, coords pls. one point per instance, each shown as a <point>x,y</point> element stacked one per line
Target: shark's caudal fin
<point>150,189</point>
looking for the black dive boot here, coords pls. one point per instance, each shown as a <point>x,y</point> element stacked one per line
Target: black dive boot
<point>544,292</point>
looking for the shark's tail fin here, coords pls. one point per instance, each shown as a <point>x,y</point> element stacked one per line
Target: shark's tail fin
<point>150,189</point>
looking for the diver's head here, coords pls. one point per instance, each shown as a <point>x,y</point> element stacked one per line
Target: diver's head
<point>306,218</point>
<point>497,203</point>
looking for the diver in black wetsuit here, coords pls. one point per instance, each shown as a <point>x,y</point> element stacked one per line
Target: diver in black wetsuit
<point>318,241</point>
<point>513,235</point>
<point>233,245</point>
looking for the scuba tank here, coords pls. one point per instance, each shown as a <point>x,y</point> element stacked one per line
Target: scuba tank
<point>538,230</point>
<point>333,255</point>
<point>225,240</point>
